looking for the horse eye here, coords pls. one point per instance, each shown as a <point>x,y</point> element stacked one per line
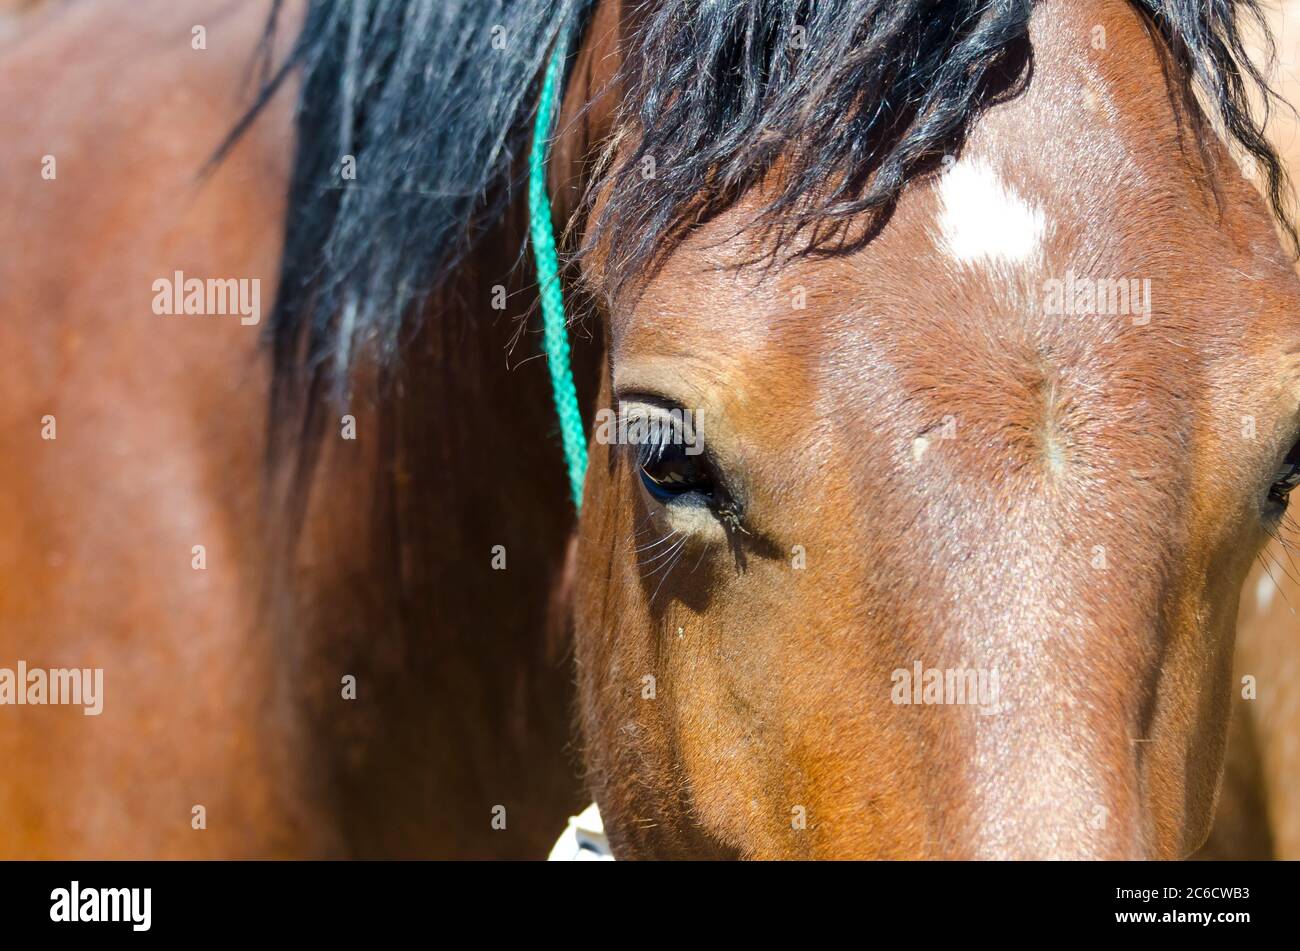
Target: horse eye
<point>1288,477</point>
<point>668,471</point>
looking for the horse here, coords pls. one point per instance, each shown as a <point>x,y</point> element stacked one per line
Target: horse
<point>986,344</point>
<point>992,387</point>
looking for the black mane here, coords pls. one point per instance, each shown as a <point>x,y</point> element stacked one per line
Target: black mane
<point>432,98</point>
<point>438,119</point>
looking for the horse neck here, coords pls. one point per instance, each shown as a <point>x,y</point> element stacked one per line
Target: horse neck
<point>449,631</point>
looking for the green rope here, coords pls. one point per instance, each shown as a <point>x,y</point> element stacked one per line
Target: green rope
<point>555,334</point>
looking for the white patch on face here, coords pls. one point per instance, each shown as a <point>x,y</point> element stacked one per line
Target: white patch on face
<point>983,220</point>
<point>1264,589</point>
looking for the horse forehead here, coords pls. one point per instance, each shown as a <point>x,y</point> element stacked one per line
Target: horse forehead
<point>977,244</point>
<point>1047,237</point>
<point>979,256</point>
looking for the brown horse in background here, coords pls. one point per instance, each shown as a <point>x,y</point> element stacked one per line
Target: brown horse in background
<point>216,696</point>
<point>841,530</point>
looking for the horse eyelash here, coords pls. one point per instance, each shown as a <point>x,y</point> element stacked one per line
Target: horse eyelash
<point>730,517</point>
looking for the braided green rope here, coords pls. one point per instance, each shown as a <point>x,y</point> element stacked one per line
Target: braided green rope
<point>555,334</point>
